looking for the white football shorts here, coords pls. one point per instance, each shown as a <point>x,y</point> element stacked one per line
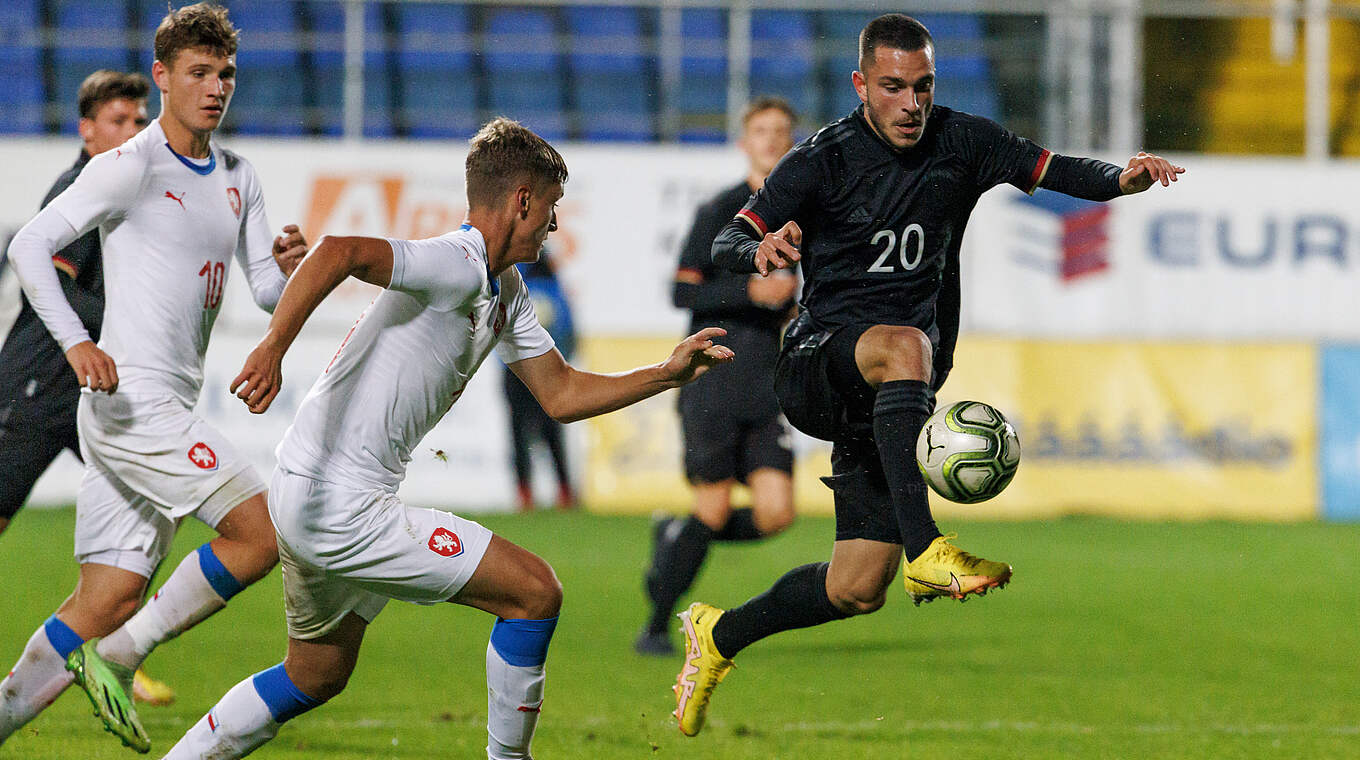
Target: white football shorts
<point>345,550</point>
<point>148,463</point>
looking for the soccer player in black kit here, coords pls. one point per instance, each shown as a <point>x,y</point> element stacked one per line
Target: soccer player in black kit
<point>873,208</point>
<point>732,425</point>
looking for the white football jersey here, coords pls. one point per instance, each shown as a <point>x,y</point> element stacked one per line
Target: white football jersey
<point>169,227</point>
<point>407,360</point>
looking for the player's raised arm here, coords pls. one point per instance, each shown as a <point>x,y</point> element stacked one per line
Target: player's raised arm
<point>1093,179</point>
<point>331,262</point>
<point>568,394</point>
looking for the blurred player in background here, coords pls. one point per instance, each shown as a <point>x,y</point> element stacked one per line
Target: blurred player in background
<point>734,432</point>
<point>874,208</point>
<point>347,542</point>
<point>172,208</point>
<point>38,391</point>
<point>528,421</point>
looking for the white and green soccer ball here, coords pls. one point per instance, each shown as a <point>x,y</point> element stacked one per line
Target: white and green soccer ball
<point>968,452</point>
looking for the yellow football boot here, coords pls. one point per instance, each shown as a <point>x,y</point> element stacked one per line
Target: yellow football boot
<point>946,570</point>
<point>149,690</point>
<point>703,669</point>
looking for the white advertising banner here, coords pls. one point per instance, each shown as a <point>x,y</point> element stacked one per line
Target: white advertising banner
<point>1240,249</point>
<point>622,221</point>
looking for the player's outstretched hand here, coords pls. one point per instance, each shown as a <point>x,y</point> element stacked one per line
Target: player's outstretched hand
<point>696,354</point>
<point>289,249</point>
<point>779,249</point>
<point>1145,170</point>
<point>94,369</point>
<point>260,379</point>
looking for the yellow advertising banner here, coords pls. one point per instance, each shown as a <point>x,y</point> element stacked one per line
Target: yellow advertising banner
<point>1129,429</point>
<point>1149,430</point>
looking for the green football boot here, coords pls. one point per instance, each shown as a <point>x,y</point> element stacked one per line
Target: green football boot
<point>109,687</point>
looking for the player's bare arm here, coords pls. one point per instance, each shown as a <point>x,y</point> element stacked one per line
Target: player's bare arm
<point>331,262</point>
<point>568,394</point>
<point>1144,170</point>
<point>779,249</point>
<point>289,249</point>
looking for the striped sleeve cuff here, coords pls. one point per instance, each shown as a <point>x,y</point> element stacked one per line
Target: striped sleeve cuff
<point>753,219</point>
<point>1036,177</point>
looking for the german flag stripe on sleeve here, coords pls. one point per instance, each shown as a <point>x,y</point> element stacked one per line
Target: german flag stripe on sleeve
<point>753,219</point>
<point>1040,169</point>
<point>65,266</point>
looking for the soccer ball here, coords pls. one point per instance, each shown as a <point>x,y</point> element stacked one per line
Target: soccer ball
<point>968,452</point>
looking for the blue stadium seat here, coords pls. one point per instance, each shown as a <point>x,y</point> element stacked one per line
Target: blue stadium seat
<point>961,64</point>
<point>21,97</point>
<point>610,74</point>
<point>841,30</point>
<point>328,60</point>
<point>524,70</point>
<point>149,15</point>
<point>437,78</point>
<point>271,85</point>
<point>84,44</point>
<point>703,84</point>
<point>782,56</point>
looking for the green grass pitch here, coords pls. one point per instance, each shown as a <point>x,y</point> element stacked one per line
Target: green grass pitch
<point>1115,640</point>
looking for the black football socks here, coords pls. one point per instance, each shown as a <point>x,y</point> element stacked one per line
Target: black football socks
<point>901,409</point>
<point>681,547</point>
<point>797,600</point>
<point>740,526</point>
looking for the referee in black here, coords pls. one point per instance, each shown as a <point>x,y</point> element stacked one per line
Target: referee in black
<point>733,429</point>
<point>873,208</point>
<point>38,391</point>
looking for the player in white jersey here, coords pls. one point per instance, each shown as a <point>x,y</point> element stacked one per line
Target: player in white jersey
<point>172,209</point>
<point>346,542</point>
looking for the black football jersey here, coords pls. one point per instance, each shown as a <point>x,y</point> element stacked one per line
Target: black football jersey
<point>880,225</point>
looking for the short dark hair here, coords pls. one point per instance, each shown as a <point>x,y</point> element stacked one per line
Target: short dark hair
<point>503,154</point>
<point>768,103</point>
<point>894,30</point>
<point>105,85</point>
<point>201,25</point>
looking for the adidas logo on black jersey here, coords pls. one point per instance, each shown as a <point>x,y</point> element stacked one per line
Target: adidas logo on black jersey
<point>858,216</point>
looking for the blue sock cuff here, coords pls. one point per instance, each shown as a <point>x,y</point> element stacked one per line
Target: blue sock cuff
<point>284,699</point>
<point>522,642</point>
<point>222,581</point>
<point>62,638</point>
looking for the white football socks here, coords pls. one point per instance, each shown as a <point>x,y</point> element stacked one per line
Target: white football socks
<point>186,599</point>
<point>37,679</point>
<point>514,696</point>
<point>236,726</point>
